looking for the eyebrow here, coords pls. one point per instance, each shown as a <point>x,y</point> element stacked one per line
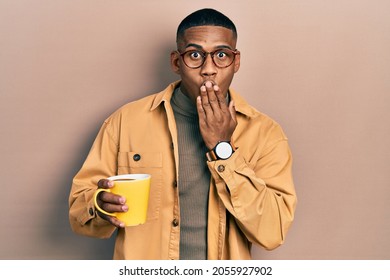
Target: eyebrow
<point>199,47</point>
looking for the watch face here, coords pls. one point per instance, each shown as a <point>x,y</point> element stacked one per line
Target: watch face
<point>223,150</point>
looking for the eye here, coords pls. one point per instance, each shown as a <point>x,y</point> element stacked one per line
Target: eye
<point>221,55</point>
<point>195,55</point>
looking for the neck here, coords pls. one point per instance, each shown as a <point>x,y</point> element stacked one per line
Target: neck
<point>185,92</point>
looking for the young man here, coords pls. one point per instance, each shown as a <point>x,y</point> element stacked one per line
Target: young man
<point>221,171</point>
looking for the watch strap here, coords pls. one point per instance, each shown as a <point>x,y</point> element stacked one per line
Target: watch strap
<point>211,156</point>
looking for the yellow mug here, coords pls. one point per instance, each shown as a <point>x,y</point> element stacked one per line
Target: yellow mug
<point>135,188</point>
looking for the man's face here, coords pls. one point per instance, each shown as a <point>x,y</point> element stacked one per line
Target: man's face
<point>207,39</point>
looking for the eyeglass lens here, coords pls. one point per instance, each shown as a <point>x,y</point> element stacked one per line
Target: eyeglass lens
<point>221,58</point>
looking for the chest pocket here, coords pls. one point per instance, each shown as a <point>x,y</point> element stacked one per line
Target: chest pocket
<point>145,163</point>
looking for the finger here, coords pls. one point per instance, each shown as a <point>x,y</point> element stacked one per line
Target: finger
<point>199,107</point>
<point>105,184</point>
<point>107,197</point>
<point>221,99</point>
<point>114,221</point>
<point>111,208</point>
<point>212,97</point>
<point>205,101</point>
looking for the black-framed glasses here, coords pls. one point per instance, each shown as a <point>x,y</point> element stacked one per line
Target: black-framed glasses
<point>222,58</point>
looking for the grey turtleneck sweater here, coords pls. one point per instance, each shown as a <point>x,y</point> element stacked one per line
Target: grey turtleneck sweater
<point>194,179</point>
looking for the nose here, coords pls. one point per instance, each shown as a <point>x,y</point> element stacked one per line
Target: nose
<point>208,68</point>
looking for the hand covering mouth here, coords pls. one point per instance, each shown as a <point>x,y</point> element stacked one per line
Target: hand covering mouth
<point>212,82</point>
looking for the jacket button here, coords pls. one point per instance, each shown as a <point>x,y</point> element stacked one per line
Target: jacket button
<point>175,222</point>
<point>221,168</point>
<point>136,157</point>
<point>90,211</point>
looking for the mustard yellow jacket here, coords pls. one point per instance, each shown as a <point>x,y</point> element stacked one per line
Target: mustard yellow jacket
<point>252,197</point>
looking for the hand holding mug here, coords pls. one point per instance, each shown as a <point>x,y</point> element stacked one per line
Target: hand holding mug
<point>110,202</point>
<point>114,192</point>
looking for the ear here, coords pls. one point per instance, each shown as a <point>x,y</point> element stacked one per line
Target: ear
<point>175,62</point>
<point>237,62</point>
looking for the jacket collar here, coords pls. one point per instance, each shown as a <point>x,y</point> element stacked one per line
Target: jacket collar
<point>165,95</point>
<point>241,105</point>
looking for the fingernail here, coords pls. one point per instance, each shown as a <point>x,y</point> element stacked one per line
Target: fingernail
<point>208,84</point>
<point>203,88</point>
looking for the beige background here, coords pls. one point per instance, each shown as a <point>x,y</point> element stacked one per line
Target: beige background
<point>320,68</point>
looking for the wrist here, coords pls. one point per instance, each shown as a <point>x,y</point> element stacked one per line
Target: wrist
<point>222,151</point>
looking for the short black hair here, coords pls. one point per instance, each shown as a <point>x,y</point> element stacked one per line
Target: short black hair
<point>205,17</point>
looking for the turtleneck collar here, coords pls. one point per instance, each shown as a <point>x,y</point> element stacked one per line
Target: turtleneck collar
<point>183,105</point>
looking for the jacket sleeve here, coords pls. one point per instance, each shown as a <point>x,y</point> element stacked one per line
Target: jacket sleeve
<point>258,190</point>
<point>101,162</point>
